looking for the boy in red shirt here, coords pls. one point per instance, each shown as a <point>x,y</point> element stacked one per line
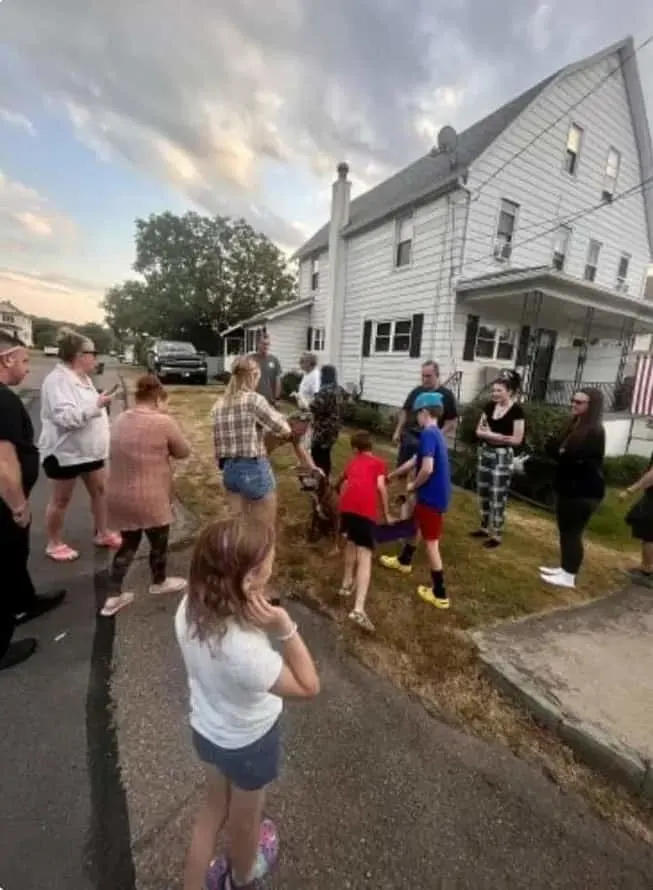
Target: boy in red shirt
<point>361,485</point>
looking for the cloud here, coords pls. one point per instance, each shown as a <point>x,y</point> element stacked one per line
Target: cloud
<point>208,96</point>
<point>16,119</point>
<point>52,295</point>
<point>28,222</point>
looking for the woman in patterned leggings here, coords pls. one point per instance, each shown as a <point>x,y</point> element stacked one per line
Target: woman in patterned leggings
<point>500,429</point>
<point>143,439</point>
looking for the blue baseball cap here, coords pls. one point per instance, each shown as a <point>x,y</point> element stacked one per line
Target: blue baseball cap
<point>428,400</point>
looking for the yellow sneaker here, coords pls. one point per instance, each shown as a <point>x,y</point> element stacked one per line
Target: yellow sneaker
<point>426,593</point>
<point>392,562</point>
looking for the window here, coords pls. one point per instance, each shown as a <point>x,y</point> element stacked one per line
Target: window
<point>315,274</point>
<point>392,336</point>
<point>560,247</point>
<point>611,174</point>
<point>8,317</point>
<point>252,336</point>
<point>592,261</point>
<point>572,151</point>
<point>505,229</point>
<point>318,340</point>
<point>404,242</point>
<point>494,343</point>
<point>622,272</point>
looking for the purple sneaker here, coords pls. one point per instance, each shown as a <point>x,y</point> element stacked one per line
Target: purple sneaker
<point>218,876</point>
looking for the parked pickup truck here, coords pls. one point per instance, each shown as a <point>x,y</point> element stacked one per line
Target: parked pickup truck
<point>175,360</point>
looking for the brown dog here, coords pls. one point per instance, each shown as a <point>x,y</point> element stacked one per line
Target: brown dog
<point>325,515</point>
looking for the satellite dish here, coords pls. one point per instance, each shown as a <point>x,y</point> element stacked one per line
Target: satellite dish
<point>447,139</point>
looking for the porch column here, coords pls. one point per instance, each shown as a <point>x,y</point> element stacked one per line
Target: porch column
<point>627,343</point>
<point>582,353</point>
<point>530,321</point>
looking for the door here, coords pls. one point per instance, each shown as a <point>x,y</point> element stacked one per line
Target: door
<point>545,344</point>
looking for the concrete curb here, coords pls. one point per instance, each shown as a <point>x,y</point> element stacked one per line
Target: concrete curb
<point>603,753</point>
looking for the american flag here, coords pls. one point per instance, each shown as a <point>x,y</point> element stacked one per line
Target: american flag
<point>642,403</point>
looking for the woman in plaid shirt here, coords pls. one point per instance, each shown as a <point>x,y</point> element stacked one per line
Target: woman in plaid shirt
<point>242,421</point>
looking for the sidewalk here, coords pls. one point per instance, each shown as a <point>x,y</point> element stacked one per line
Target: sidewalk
<point>587,673</point>
<point>374,793</point>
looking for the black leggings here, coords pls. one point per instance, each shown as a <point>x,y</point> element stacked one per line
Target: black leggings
<point>17,589</point>
<point>158,538</point>
<point>572,515</point>
<point>321,455</point>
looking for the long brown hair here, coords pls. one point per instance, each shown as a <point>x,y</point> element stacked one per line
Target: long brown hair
<point>149,389</point>
<point>226,551</point>
<point>243,372</point>
<point>577,428</point>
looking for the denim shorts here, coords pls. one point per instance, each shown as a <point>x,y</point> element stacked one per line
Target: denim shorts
<point>250,477</point>
<point>249,768</point>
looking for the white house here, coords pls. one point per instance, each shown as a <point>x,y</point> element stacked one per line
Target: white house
<point>289,329</point>
<point>522,242</point>
<point>15,322</point>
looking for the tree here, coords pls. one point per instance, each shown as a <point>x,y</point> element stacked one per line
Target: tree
<point>200,275</point>
<point>101,336</point>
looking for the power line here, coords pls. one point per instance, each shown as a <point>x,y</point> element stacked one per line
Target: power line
<point>558,222</point>
<point>565,113</point>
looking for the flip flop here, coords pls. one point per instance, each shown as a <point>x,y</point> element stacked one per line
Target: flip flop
<point>112,540</point>
<point>61,553</point>
<point>119,602</point>
<point>361,619</point>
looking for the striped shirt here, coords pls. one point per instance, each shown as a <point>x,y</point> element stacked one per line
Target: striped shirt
<point>241,423</point>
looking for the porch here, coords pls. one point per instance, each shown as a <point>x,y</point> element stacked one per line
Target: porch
<point>561,333</point>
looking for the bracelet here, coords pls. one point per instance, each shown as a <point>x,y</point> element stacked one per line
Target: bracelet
<point>291,633</point>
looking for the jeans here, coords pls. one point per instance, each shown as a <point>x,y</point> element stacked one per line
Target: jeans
<point>158,538</point>
<point>572,515</point>
<point>17,589</point>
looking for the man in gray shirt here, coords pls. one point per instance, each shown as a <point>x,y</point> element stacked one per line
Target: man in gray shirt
<point>270,382</point>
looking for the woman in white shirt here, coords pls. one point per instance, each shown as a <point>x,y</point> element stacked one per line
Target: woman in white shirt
<point>307,390</point>
<point>74,442</point>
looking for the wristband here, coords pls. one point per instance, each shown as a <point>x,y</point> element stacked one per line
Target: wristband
<point>291,633</point>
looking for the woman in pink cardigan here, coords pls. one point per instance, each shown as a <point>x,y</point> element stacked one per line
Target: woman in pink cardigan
<point>143,440</point>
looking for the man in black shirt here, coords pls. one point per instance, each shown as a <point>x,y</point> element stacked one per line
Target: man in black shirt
<point>406,434</point>
<point>19,470</point>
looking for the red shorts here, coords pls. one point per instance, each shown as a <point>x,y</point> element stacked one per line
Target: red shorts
<point>429,522</point>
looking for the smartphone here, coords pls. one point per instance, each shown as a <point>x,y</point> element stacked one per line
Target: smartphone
<point>275,601</point>
<point>115,389</point>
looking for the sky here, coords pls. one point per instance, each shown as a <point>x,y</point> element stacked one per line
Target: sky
<point>113,109</point>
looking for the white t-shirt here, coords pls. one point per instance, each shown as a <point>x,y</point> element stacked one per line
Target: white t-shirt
<point>73,428</point>
<point>229,678</point>
<point>308,387</point>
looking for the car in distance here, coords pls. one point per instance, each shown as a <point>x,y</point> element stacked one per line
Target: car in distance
<point>51,350</point>
<point>176,360</point>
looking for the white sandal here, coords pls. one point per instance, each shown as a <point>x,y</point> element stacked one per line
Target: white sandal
<point>113,604</point>
<point>361,619</point>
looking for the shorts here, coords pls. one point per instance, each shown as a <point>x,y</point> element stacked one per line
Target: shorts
<point>429,522</point>
<point>358,529</point>
<point>53,469</point>
<point>408,449</point>
<point>249,768</point>
<point>250,477</point>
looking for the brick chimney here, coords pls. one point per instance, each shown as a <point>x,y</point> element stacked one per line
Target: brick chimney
<point>340,202</point>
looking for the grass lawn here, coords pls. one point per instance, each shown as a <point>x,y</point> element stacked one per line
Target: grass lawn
<point>426,651</point>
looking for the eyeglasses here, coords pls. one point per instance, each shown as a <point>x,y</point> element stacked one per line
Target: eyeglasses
<point>580,401</point>
<point>90,352</point>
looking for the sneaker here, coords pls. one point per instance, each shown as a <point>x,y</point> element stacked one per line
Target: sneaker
<point>170,585</point>
<point>561,579</point>
<point>219,875</point>
<point>17,653</point>
<point>426,593</point>
<point>392,562</point>
<point>549,570</point>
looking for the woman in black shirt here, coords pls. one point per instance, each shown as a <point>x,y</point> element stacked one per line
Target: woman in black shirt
<point>579,484</point>
<point>500,429</point>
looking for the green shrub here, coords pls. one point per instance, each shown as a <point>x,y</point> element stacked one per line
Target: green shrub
<point>622,471</point>
<point>290,383</point>
<point>368,416</point>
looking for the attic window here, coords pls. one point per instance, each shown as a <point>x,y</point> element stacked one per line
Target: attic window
<point>592,263</point>
<point>404,242</point>
<point>315,274</point>
<point>561,247</point>
<point>505,229</point>
<point>572,151</point>
<point>622,273</point>
<point>611,174</point>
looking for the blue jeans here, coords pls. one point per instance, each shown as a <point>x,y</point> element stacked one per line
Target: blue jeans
<point>250,477</point>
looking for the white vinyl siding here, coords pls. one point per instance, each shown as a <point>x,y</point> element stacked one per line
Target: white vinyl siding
<point>319,296</point>
<point>287,338</point>
<point>547,195</point>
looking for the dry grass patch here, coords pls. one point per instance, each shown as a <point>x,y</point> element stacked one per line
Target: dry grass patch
<point>429,653</point>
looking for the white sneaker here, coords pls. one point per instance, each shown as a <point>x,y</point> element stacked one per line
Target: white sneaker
<point>170,585</point>
<point>561,579</point>
<point>549,570</point>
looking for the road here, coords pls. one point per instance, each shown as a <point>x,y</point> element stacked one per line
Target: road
<point>98,780</point>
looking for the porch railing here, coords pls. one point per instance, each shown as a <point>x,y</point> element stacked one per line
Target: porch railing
<point>616,396</point>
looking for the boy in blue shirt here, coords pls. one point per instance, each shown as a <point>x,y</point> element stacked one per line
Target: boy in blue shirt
<point>432,488</point>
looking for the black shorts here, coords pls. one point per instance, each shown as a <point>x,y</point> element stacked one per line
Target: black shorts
<point>358,529</point>
<point>53,469</point>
